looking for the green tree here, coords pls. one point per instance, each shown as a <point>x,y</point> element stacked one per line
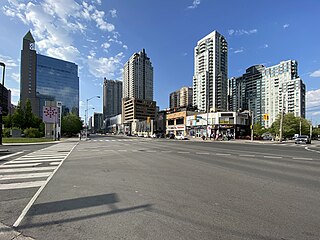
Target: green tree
<point>28,115</point>
<point>258,130</point>
<point>70,125</point>
<point>7,121</point>
<point>18,117</point>
<point>291,125</point>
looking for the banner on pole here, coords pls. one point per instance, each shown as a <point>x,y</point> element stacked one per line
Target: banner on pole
<point>50,114</point>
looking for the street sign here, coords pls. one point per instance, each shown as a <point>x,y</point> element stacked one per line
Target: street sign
<point>266,117</point>
<point>50,114</point>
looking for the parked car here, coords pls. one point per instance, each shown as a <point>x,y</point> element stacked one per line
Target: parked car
<point>303,139</point>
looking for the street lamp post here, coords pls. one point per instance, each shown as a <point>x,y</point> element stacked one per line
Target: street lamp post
<point>86,113</point>
<point>3,72</point>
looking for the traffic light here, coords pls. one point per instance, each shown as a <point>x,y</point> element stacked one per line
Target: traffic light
<point>266,117</point>
<point>148,119</point>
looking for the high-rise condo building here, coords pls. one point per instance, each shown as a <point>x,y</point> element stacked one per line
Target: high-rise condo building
<point>47,79</point>
<point>210,80</point>
<point>246,92</point>
<point>137,102</point>
<point>268,91</point>
<point>284,91</point>
<point>112,97</point>
<point>138,77</point>
<point>181,98</point>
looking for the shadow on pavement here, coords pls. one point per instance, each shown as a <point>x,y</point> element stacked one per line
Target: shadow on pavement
<point>74,204</point>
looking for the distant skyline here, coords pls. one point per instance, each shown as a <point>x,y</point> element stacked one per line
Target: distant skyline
<point>100,36</point>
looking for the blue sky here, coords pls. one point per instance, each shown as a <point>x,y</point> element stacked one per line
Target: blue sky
<point>101,35</point>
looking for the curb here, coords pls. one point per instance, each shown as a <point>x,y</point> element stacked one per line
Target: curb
<point>7,233</point>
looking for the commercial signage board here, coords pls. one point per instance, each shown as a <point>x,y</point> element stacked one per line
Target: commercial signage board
<point>50,114</point>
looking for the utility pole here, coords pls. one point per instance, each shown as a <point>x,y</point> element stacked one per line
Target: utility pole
<point>281,120</point>
<point>1,110</point>
<point>300,126</point>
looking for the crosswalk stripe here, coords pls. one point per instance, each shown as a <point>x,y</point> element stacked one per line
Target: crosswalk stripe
<point>7,186</point>
<point>31,169</point>
<point>54,163</point>
<point>19,165</point>
<point>42,156</point>
<point>24,175</point>
<point>31,161</point>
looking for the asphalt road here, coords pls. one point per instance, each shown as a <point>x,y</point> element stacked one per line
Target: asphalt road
<point>134,188</point>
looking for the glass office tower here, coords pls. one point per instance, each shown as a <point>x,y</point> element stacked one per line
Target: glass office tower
<point>57,80</point>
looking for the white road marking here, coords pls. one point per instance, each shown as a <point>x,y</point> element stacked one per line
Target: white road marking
<point>31,169</point>
<point>223,154</point>
<point>122,150</point>
<point>7,186</point>
<point>54,163</point>
<point>31,161</point>
<point>10,155</point>
<point>247,155</point>
<point>41,157</point>
<point>113,140</point>
<point>25,175</point>
<point>271,157</point>
<point>183,152</point>
<point>166,151</point>
<point>202,153</point>
<point>106,140</point>
<point>12,165</point>
<point>310,159</point>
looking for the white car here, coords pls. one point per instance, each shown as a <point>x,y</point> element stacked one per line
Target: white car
<point>181,137</point>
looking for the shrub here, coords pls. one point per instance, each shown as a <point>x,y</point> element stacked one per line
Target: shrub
<point>32,133</point>
<point>6,132</point>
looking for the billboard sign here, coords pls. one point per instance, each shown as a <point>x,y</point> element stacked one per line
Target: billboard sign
<point>50,114</point>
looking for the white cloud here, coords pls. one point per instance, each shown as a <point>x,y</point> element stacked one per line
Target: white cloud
<point>315,73</point>
<point>113,13</point>
<point>16,77</point>
<point>239,50</point>
<point>8,61</point>
<point>125,47</point>
<point>240,32</point>
<point>92,40</point>
<point>285,25</point>
<point>265,46</point>
<point>313,98</point>
<point>105,45</point>
<point>53,23</point>
<point>105,67</point>
<point>195,4</point>
<point>15,92</point>
<point>68,53</point>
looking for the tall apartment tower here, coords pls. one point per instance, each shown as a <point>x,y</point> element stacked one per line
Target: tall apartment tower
<point>284,91</point>
<point>247,93</point>
<point>137,101</point>
<point>210,80</point>
<point>138,77</point>
<point>112,97</point>
<point>181,98</point>
<point>28,73</point>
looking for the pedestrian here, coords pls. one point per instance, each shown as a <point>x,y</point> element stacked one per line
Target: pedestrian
<point>80,135</point>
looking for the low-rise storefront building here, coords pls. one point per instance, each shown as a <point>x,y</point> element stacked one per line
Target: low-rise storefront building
<point>218,124</point>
